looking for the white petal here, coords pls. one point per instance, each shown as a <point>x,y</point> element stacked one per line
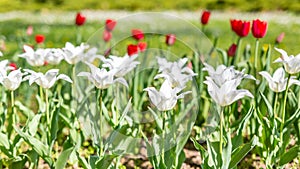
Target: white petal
<point>64,77</point>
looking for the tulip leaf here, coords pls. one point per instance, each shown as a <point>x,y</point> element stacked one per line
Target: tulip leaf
<point>240,152</point>
<point>4,140</point>
<point>223,54</point>
<point>82,161</point>
<point>37,145</point>
<point>270,109</point>
<point>33,124</point>
<point>293,118</point>
<point>290,155</point>
<point>63,158</point>
<point>158,120</point>
<point>27,112</point>
<point>106,161</point>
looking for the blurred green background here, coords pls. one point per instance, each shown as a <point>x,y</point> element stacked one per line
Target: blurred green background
<point>156,5</point>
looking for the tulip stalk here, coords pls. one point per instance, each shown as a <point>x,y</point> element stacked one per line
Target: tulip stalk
<point>221,131</point>
<point>12,97</point>
<point>284,108</point>
<point>47,115</point>
<point>163,135</point>
<point>100,117</point>
<point>237,53</point>
<point>275,103</point>
<point>255,68</point>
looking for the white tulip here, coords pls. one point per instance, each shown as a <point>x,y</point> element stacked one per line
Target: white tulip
<point>1,54</point>
<point>122,65</point>
<point>54,56</point>
<point>11,81</point>
<point>166,98</point>
<point>46,80</point>
<point>34,58</point>
<point>291,63</point>
<point>90,55</point>
<point>74,54</point>
<point>175,72</point>
<point>227,93</point>
<point>278,82</point>
<point>102,78</point>
<point>223,74</point>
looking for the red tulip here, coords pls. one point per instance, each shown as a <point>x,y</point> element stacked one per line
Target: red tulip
<point>231,51</point>
<point>80,19</point>
<point>39,38</point>
<point>205,17</point>
<point>29,30</point>
<point>110,24</point>
<point>13,66</point>
<point>170,39</point>
<point>259,28</point>
<point>45,63</point>
<point>280,37</point>
<point>137,34</point>
<point>132,49</point>
<point>106,36</point>
<point>241,28</point>
<point>142,46</point>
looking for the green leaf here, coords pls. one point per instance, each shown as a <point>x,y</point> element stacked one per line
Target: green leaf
<point>27,112</point>
<point>270,109</point>
<point>223,53</point>
<point>289,156</point>
<point>239,153</point>
<point>63,158</point>
<point>83,162</point>
<point>106,161</point>
<point>293,118</point>
<point>37,145</point>
<point>33,124</point>
<point>4,140</point>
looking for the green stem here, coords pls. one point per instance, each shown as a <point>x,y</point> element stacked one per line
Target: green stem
<point>284,109</point>
<point>12,97</point>
<point>163,136</point>
<point>47,115</point>
<point>237,53</point>
<point>275,104</point>
<point>255,69</point>
<point>101,130</point>
<point>221,131</point>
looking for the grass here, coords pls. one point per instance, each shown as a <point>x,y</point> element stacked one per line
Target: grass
<point>156,5</point>
<point>13,32</point>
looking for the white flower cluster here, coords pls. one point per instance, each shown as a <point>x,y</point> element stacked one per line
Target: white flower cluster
<point>176,75</point>
<point>117,68</point>
<point>222,84</point>
<point>278,82</point>
<point>70,53</point>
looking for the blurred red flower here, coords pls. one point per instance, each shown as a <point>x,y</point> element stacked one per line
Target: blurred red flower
<point>259,28</point>
<point>13,66</point>
<point>110,24</point>
<point>142,46</point>
<point>106,36</point>
<point>137,34</point>
<point>280,37</point>
<point>29,30</point>
<point>231,51</point>
<point>132,49</point>
<point>241,28</point>
<point>170,39</point>
<point>80,19</point>
<point>39,38</point>
<point>205,17</point>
